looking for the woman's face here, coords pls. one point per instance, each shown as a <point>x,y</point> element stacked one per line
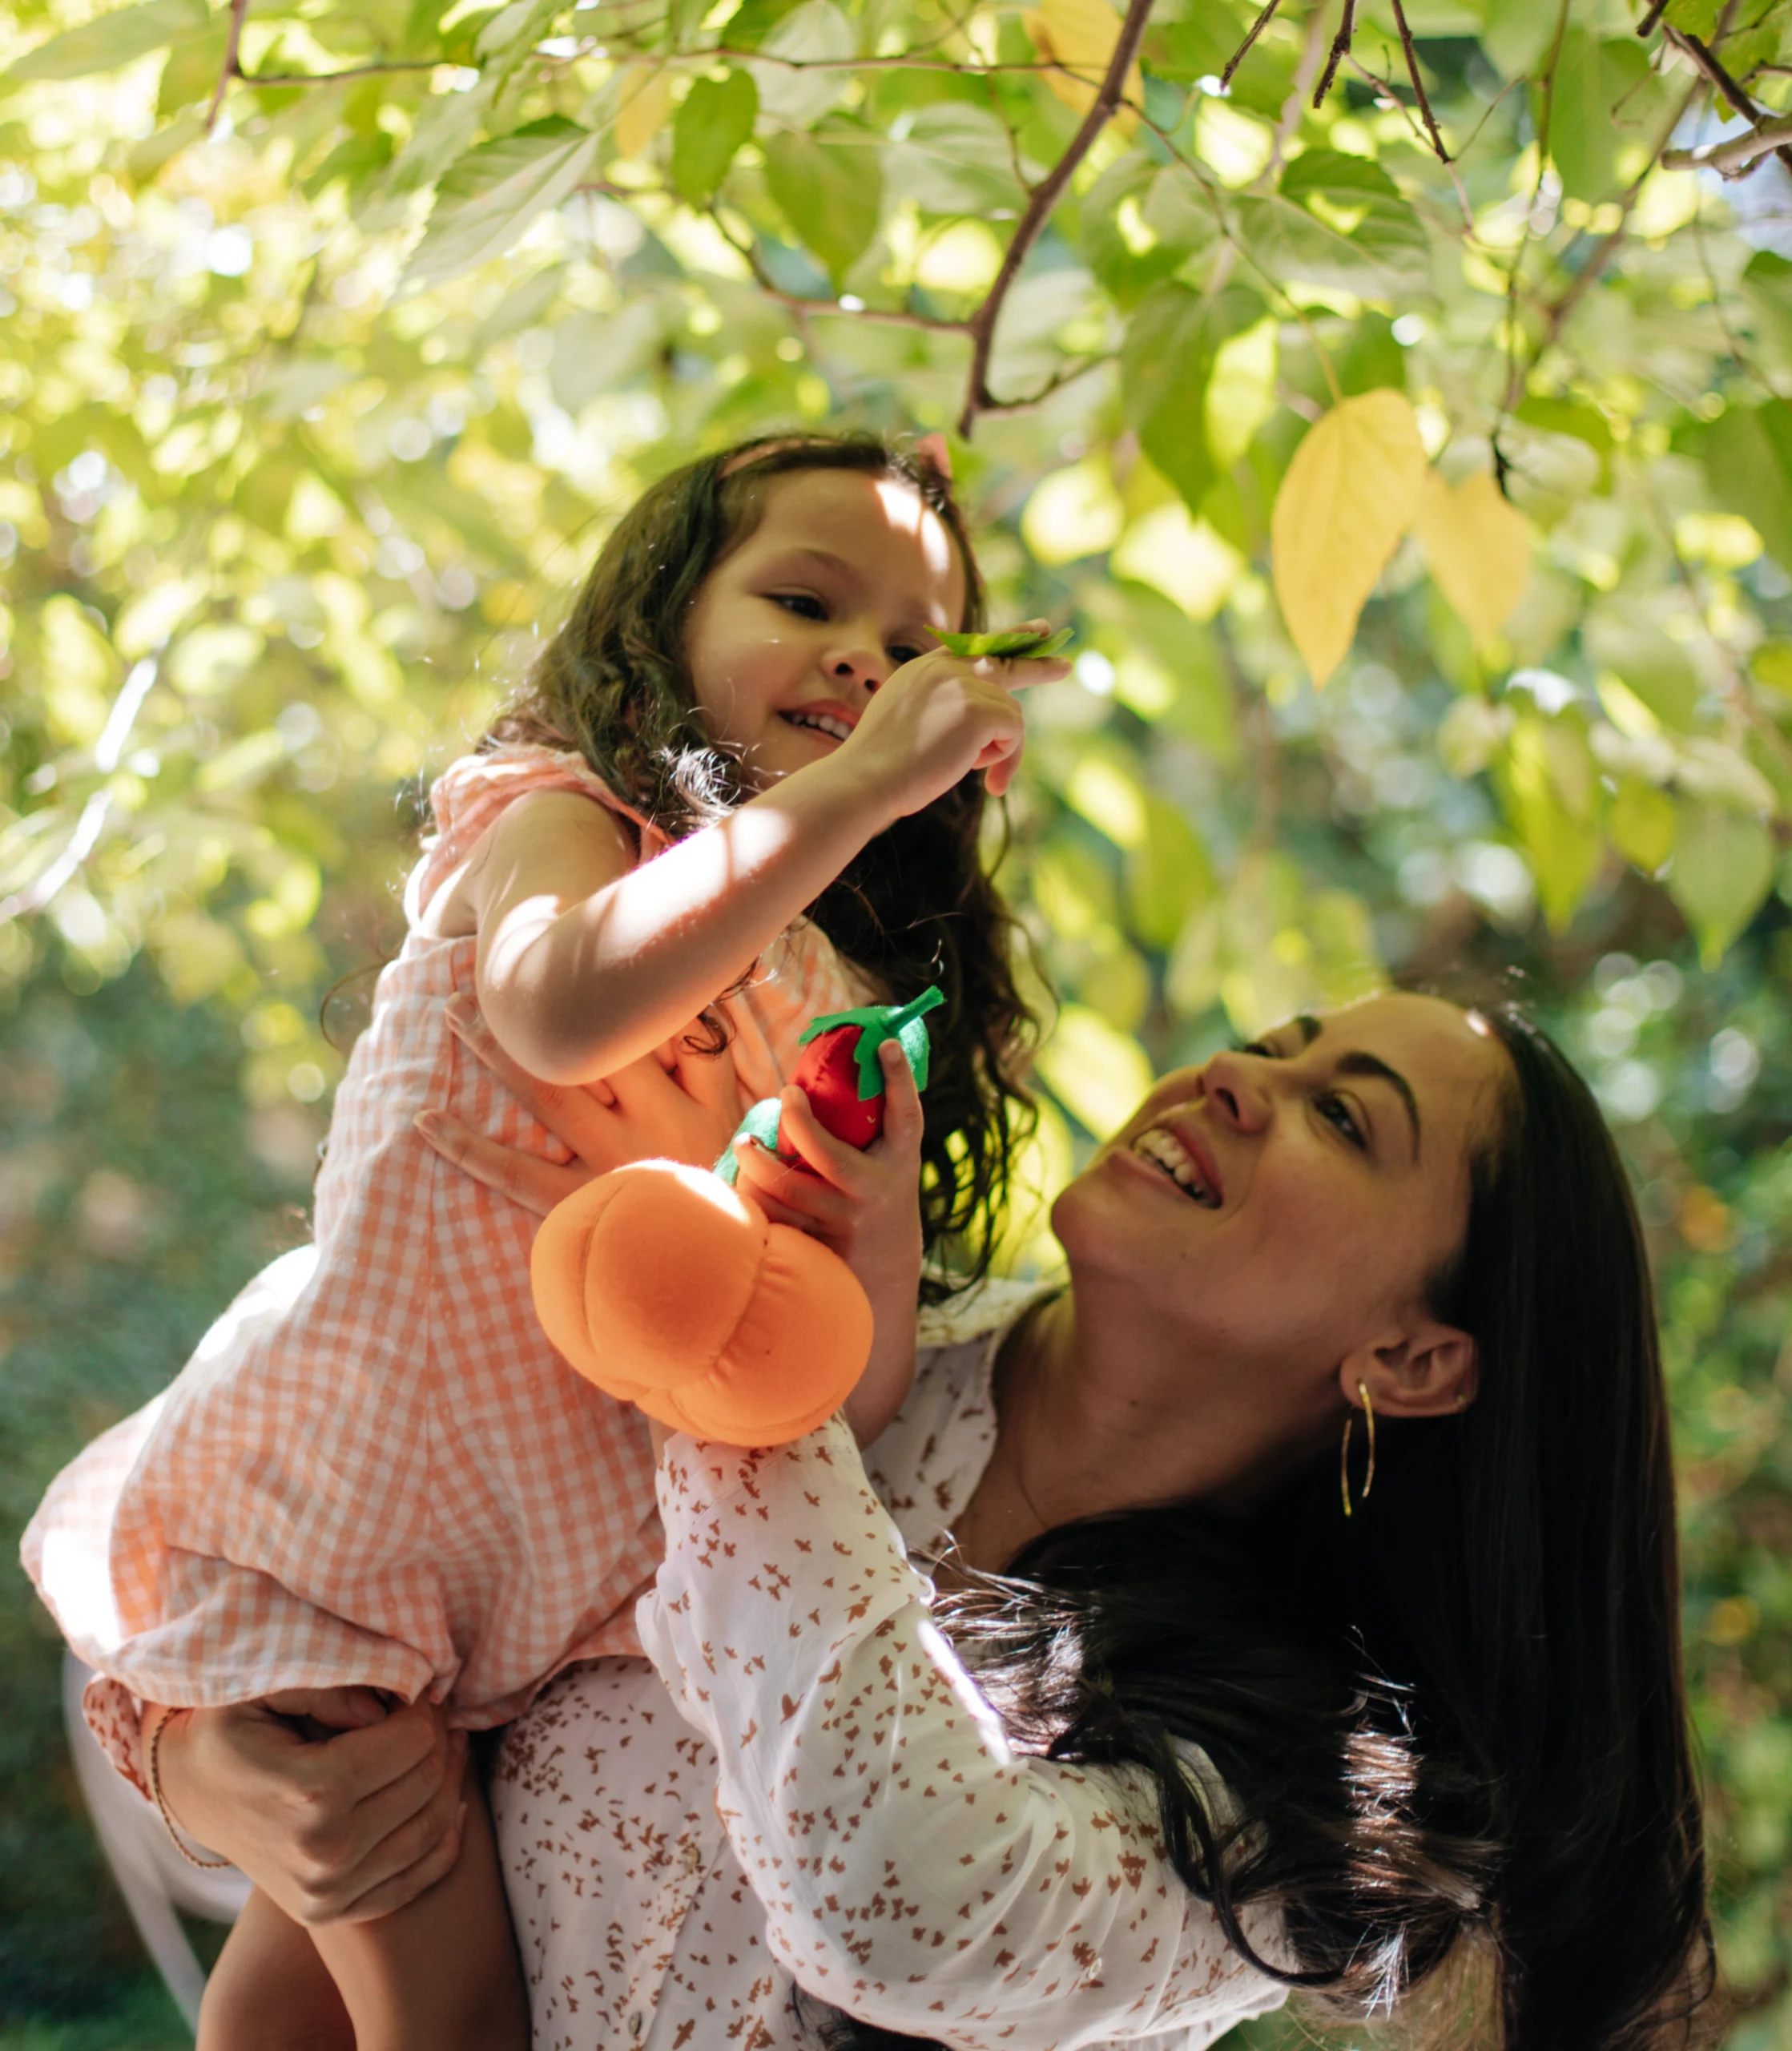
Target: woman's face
<point>840,583</point>
<point>1275,1215</point>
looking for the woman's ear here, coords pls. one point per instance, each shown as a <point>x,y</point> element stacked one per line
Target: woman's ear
<point>1427,1372</point>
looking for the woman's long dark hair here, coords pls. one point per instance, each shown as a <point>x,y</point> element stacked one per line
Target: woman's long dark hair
<point>1462,1713</point>
<point>916,906</point>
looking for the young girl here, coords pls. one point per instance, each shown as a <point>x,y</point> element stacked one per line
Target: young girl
<point>737,792</point>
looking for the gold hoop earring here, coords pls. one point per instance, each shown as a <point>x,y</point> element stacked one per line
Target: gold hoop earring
<point>1344,1450</point>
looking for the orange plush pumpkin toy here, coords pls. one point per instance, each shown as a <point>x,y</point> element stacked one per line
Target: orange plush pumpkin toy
<point>668,1287</point>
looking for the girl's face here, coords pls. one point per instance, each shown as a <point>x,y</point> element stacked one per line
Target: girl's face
<point>1277,1214</point>
<point>792,633</point>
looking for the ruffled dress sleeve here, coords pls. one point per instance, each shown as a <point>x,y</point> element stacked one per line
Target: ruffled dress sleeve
<point>912,1869</point>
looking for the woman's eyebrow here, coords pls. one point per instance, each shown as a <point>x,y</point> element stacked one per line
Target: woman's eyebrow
<point>1358,1063</point>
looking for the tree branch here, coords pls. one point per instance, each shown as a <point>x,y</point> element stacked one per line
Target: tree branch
<point>1734,158</point>
<point>1418,83</point>
<point>233,43</point>
<point>1243,50</point>
<point>1055,383</point>
<point>1770,137</point>
<point>1045,195</point>
<point>1340,47</point>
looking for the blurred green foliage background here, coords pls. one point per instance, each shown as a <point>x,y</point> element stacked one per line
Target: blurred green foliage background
<point>317,396</point>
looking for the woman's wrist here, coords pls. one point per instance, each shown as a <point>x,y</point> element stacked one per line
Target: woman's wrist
<point>158,1725</point>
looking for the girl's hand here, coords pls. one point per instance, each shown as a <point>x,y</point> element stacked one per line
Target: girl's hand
<point>866,1208</point>
<point>338,1831</point>
<point>670,1102</point>
<point>938,718</point>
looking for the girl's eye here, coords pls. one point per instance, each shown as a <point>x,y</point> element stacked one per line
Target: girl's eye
<point>1261,1047</point>
<point>804,604</point>
<point>899,653</point>
<point>1336,1111</point>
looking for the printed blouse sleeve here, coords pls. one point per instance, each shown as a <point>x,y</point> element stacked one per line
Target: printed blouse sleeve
<point>913,1870</point>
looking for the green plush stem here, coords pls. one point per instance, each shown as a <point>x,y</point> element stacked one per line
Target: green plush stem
<point>877,1023</point>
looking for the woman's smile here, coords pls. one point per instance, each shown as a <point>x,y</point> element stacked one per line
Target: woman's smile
<point>1177,1154</point>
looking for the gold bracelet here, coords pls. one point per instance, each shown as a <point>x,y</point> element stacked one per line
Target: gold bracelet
<point>153,1759</point>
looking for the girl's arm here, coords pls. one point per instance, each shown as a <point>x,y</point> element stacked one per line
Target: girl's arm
<point>911,1869</point>
<point>586,962</point>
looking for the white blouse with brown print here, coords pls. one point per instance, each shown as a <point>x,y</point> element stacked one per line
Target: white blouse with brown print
<point>846,1814</point>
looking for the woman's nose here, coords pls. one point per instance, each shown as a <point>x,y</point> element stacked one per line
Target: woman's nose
<point>1236,1092</point>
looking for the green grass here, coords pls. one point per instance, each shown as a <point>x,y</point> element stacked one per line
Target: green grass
<point>143,2019</point>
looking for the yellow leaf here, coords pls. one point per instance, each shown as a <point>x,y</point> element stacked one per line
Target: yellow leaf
<point>1347,497</point>
<point>1479,549</point>
<point>646,102</point>
<point>1080,35</point>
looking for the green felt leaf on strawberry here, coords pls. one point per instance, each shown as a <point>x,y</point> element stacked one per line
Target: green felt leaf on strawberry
<point>1016,641</point>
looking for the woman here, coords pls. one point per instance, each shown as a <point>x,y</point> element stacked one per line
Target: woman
<point>1303,1726</point>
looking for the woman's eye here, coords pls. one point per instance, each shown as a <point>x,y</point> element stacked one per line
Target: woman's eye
<point>1336,1111</point>
<point>899,652</point>
<point>804,604</point>
<point>1257,1047</point>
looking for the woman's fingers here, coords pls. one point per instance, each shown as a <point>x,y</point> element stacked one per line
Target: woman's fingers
<point>564,1111</point>
<point>802,1133</point>
<point>525,1179</point>
<point>785,1193</point>
<point>904,1119</point>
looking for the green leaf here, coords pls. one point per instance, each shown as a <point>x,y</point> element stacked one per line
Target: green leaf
<point>1010,641</point>
<point>1748,462</point>
<point>1643,822</point>
<point>1767,286</point>
<point>1657,669</point>
<point>1165,364</point>
<point>829,185</point>
<point>1548,779</point>
<point>954,158</point>
<point>1723,868</point>
<point>1169,876</point>
<point>111,41</point>
<point>1122,248</point>
<point>1605,96</point>
<point>716,118</point>
<point>1585,422</point>
<point>1379,258</point>
<point>490,196</point>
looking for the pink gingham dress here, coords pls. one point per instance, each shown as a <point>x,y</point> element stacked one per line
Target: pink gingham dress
<point>375,1469</point>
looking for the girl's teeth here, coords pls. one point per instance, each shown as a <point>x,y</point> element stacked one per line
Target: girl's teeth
<point>838,729</point>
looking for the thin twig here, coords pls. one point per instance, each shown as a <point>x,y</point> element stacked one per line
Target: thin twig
<point>802,307</point>
<point>1294,105</point>
<point>1243,50</point>
<point>1340,46</point>
<point>330,78</point>
<point>1646,25</point>
<point>1384,87</point>
<point>1044,198</point>
<point>1418,83</point>
<point>233,40</point>
<point>1515,371</point>
<point>1054,383</point>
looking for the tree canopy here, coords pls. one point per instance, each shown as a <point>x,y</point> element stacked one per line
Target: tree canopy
<point>1390,394</point>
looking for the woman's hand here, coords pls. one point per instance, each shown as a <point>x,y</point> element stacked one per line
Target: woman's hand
<point>672,1103</point>
<point>864,1206</point>
<point>340,1829</point>
<point>938,718</point>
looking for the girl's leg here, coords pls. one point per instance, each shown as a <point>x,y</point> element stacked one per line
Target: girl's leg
<point>442,1973</point>
<point>270,1991</point>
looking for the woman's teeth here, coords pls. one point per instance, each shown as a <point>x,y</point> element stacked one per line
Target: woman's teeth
<point>1170,1154</point>
<point>822,723</point>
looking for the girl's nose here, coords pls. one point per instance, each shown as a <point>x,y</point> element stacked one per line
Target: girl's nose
<point>1237,1092</point>
<point>856,662</point>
